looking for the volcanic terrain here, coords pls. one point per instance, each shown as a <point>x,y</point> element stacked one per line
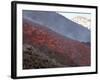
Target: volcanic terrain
<point>45,48</point>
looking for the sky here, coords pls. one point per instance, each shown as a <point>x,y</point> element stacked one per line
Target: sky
<point>70,15</point>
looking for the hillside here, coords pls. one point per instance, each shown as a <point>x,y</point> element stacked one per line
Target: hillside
<point>50,46</point>
<point>59,24</point>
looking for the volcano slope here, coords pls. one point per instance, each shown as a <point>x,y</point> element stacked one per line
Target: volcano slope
<point>59,24</point>
<point>45,48</point>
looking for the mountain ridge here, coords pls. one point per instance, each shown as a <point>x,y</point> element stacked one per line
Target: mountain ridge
<point>59,24</point>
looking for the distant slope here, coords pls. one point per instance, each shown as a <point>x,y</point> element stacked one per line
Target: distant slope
<point>59,24</point>
<point>64,50</point>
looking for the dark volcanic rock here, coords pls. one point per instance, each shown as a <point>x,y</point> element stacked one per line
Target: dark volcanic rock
<point>34,57</point>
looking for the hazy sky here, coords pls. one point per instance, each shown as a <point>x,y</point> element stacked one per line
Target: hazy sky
<point>72,15</point>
